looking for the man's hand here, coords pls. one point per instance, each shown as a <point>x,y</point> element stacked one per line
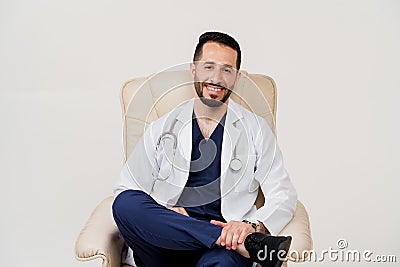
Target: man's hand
<point>233,233</point>
<point>179,210</point>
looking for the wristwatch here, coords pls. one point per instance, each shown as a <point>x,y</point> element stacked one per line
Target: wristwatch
<point>255,224</point>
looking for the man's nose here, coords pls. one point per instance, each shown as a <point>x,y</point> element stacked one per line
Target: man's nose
<point>216,76</point>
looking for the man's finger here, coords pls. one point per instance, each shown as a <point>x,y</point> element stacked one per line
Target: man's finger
<point>243,236</point>
<point>179,210</point>
<point>235,239</point>
<point>223,236</point>
<point>228,239</point>
<point>183,211</point>
<point>218,223</point>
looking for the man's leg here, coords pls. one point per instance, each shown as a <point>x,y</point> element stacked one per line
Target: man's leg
<point>150,229</point>
<point>221,257</point>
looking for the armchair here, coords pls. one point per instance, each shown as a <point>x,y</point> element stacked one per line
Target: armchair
<point>100,238</point>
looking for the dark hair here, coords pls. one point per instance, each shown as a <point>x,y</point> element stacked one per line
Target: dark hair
<point>220,38</point>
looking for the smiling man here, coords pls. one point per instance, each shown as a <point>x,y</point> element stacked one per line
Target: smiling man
<point>215,72</point>
<point>191,203</point>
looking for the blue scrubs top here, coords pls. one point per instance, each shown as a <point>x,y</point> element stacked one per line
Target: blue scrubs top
<point>201,196</point>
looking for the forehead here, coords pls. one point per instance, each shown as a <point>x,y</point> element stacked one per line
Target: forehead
<point>219,53</point>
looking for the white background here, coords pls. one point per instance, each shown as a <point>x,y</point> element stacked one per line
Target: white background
<point>62,63</point>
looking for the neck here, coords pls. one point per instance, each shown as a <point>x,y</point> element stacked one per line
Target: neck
<point>214,113</point>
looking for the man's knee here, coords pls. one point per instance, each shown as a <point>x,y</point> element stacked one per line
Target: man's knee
<point>127,204</point>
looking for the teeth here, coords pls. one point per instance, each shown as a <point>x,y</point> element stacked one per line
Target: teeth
<point>214,89</point>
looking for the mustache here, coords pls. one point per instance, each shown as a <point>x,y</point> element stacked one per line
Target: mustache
<point>214,84</point>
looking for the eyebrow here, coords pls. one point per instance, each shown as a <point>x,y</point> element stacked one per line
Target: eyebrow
<point>212,62</point>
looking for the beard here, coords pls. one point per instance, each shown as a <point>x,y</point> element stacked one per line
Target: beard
<point>211,102</point>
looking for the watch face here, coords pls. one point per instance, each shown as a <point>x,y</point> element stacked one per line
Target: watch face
<point>254,224</point>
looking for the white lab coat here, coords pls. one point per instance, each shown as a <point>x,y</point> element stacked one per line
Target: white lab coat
<point>256,147</point>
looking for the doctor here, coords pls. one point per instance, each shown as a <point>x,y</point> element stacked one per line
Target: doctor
<point>186,194</point>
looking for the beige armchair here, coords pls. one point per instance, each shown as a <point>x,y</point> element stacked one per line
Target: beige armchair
<point>159,94</point>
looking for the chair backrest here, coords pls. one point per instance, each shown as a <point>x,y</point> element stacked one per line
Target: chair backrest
<point>144,100</point>
<point>147,99</point>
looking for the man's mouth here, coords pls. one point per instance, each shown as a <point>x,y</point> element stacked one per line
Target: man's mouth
<point>213,88</point>
<point>211,94</point>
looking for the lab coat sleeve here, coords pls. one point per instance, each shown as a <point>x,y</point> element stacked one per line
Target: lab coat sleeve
<point>280,195</point>
<point>137,172</point>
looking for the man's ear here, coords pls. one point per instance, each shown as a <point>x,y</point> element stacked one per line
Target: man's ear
<point>237,77</point>
<point>192,69</point>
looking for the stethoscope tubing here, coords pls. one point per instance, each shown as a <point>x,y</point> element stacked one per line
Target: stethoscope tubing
<point>235,165</point>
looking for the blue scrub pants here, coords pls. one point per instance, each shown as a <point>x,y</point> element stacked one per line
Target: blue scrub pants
<point>160,237</point>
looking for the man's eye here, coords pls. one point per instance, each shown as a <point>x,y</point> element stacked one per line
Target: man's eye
<point>228,71</point>
<point>208,67</point>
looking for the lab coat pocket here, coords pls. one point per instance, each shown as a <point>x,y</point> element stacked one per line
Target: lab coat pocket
<point>244,178</point>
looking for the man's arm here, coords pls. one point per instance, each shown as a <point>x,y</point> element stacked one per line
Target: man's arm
<point>280,195</point>
<point>138,169</point>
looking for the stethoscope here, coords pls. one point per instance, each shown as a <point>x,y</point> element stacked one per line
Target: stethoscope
<point>160,144</point>
<point>235,165</point>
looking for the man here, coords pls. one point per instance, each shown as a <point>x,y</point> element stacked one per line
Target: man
<point>186,194</point>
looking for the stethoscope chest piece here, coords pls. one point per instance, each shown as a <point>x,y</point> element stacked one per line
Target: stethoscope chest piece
<point>235,164</point>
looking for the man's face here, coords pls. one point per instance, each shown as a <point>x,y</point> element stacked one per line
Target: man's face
<point>215,73</point>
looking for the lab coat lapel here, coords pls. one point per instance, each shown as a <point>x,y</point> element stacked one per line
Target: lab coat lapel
<point>184,124</point>
<point>230,139</point>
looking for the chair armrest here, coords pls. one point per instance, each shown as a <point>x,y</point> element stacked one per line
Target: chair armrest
<point>299,229</point>
<point>100,237</point>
